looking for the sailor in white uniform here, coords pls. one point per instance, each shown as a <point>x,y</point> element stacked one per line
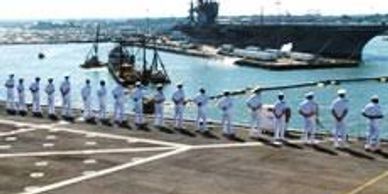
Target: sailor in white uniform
<point>159,99</point>
<point>119,98</point>
<point>101,94</point>
<point>280,116</point>
<point>374,114</point>
<point>254,104</point>
<point>22,107</point>
<point>50,91</point>
<point>86,94</point>
<point>10,85</point>
<point>66,98</point>
<point>339,110</point>
<point>225,105</point>
<point>201,100</point>
<point>137,97</point>
<point>179,101</point>
<point>309,110</point>
<point>35,91</point>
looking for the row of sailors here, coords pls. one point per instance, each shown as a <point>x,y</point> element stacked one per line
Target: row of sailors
<point>308,109</point>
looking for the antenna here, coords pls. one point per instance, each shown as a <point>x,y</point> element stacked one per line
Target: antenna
<point>262,15</point>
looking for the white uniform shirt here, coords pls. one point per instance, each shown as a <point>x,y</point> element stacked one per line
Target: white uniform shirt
<point>118,94</point>
<point>201,100</point>
<point>20,88</point>
<point>86,92</point>
<point>34,87</point>
<point>308,107</point>
<point>50,89</point>
<point>225,104</point>
<point>137,95</point>
<point>65,88</point>
<point>179,97</point>
<point>10,83</point>
<point>101,93</point>
<point>372,110</point>
<point>159,97</point>
<point>280,107</point>
<point>339,105</point>
<point>254,102</point>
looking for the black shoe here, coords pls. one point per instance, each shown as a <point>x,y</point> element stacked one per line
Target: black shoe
<point>68,118</point>
<point>106,122</point>
<point>11,112</point>
<point>91,120</point>
<point>37,114</point>
<point>53,117</point>
<point>23,113</point>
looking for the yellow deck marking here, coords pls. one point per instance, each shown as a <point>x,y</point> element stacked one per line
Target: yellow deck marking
<point>369,183</point>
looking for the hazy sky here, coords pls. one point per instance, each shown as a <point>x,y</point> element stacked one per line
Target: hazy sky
<point>40,9</point>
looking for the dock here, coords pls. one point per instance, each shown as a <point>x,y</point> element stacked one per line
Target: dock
<point>288,64</point>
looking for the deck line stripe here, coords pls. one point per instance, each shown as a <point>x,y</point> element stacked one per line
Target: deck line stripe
<point>84,152</point>
<point>369,183</point>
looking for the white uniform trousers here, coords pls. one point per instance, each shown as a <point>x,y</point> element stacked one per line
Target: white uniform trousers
<point>51,104</point>
<point>178,116</point>
<point>159,114</point>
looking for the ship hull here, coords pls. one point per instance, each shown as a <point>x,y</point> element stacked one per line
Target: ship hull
<point>335,41</point>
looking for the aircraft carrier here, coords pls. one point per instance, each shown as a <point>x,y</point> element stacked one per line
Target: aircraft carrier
<point>334,40</point>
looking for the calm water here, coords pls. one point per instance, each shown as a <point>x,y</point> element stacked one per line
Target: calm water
<point>215,75</point>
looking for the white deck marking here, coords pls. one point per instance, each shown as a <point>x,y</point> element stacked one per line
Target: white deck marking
<point>11,139</point>
<point>90,161</point>
<point>91,143</point>
<point>230,145</point>
<point>86,152</point>
<point>37,175</point>
<point>30,188</point>
<point>41,164</point>
<point>104,172</point>
<point>51,137</point>
<point>16,132</point>
<point>48,145</point>
<point>5,147</point>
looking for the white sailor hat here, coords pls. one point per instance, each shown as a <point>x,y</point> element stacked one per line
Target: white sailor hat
<point>341,92</point>
<point>257,89</point>
<point>309,94</point>
<point>374,97</point>
<point>179,85</point>
<point>138,83</point>
<point>281,94</point>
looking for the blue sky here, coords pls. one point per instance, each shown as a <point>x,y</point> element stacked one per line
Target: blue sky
<point>52,9</point>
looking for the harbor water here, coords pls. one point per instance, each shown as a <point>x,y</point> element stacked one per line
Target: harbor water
<point>212,74</point>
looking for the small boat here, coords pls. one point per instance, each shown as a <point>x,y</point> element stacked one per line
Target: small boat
<point>122,66</point>
<point>92,60</point>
